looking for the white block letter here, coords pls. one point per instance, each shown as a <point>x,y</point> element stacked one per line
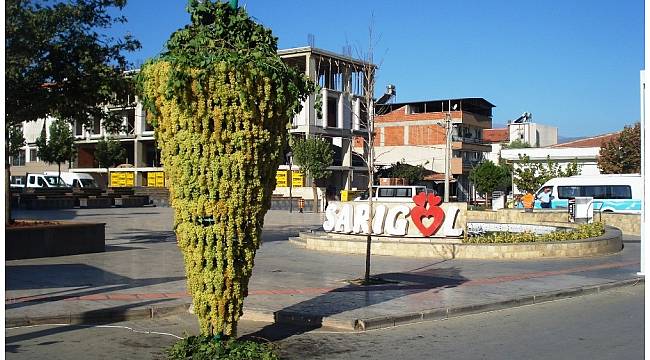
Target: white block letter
<point>330,217</point>
<point>361,216</point>
<point>344,222</point>
<point>450,221</point>
<point>378,220</point>
<point>395,225</point>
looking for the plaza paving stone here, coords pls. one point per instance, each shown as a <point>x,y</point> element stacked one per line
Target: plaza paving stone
<point>142,270</point>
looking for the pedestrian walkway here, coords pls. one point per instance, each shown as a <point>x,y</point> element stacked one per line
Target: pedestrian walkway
<point>142,275</point>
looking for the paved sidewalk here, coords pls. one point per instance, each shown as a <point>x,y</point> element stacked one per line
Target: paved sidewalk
<point>141,275</point>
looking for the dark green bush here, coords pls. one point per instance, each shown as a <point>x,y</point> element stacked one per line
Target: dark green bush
<point>582,232</point>
<point>208,348</point>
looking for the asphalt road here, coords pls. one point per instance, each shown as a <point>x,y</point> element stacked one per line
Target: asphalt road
<point>609,325</point>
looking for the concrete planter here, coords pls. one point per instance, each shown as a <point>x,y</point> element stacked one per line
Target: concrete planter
<point>610,242</point>
<point>62,238</point>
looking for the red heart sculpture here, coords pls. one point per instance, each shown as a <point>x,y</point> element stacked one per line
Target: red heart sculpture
<point>420,212</point>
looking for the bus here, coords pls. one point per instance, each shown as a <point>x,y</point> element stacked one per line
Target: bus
<point>619,193</point>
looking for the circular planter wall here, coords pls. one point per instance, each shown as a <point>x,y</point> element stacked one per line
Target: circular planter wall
<point>608,243</point>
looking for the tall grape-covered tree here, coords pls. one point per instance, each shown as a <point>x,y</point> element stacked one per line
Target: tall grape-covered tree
<point>221,100</point>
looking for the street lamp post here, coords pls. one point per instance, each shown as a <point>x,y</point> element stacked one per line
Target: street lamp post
<point>290,179</point>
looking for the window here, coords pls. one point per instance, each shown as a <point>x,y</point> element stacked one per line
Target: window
<point>97,126</point>
<point>41,182</point>
<point>403,192</point>
<point>386,193</point>
<point>78,128</point>
<point>594,191</point>
<point>33,155</point>
<point>32,180</point>
<point>619,192</point>
<point>18,160</point>
<point>75,183</point>
<point>565,192</point>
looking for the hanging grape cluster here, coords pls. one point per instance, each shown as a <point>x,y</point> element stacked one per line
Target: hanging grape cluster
<point>220,99</point>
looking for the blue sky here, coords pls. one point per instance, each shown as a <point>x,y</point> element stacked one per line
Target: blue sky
<point>573,64</point>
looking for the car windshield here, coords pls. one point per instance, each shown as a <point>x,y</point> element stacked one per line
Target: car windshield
<point>55,181</point>
<point>88,183</point>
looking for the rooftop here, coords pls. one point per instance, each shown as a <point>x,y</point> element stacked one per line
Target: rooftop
<point>473,105</point>
<point>594,141</point>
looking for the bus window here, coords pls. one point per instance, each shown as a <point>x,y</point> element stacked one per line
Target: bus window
<point>566,192</point>
<point>619,192</point>
<point>595,191</point>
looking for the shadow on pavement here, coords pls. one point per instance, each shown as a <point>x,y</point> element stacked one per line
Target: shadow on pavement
<point>84,279</point>
<point>96,317</point>
<point>352,297</point>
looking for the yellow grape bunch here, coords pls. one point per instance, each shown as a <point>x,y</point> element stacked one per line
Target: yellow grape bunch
<point>221,117</point>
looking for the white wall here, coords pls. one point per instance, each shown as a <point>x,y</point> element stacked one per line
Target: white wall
<point>537,135</point>
<point>432,157</point>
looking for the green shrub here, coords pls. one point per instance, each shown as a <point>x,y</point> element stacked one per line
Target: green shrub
<point>582,232</point>
<point>207,348</point>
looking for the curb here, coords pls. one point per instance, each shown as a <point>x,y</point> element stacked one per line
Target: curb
<point>451,312</point>
<point>105,316</point>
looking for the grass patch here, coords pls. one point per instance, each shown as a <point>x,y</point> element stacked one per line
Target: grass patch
<point>584,231</point>
<point>208,348</point>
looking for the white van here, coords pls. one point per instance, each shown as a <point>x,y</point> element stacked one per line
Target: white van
<point>611,193</point>
<point>393,193</point>
<point>75,180</point>
<point>44,181</point>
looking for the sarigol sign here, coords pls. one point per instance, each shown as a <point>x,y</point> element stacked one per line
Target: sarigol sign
<point>424,217</point>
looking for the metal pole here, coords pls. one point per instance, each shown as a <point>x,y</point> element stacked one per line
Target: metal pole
<point>447,153</point>
<point>290,179</point>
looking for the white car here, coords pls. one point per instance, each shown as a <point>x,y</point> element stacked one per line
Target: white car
<point>44,181</point>
<point>76,180</point>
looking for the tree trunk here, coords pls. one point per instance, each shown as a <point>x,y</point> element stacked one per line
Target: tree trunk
<point>8,219</point>
<point>59,164</point>
<point>108,178</point>
<point>315,190</point>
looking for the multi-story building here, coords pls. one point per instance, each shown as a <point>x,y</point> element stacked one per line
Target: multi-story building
<point>342,117</point>
<point>414,133</point>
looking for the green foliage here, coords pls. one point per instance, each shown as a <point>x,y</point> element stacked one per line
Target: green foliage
<point>584,231</point>
<point>403,170</point>
<point>59,64</point>
<point>529,176</point>
<point>622,155</point>
<point>109,152</point>
<point>59,148</point>
<point>207,348</point>
<point>517,144</point>
<point>488,177</point>
<point>313,155</point>
<point>221,100</point>
<point>15,139</point>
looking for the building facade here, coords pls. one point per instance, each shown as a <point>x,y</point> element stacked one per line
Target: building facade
<point>414,133</point>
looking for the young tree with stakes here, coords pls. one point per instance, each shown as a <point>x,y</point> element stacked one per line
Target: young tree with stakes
<point>314,155</point>
<point>15,141</point>
<point>109,152</point>
<point>59,148</point>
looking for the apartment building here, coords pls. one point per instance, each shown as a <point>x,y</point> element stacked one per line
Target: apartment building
<point>414,133</point>
<point>342,117</point>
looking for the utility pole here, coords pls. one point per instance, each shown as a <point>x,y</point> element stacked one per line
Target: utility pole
<point>448,128</point>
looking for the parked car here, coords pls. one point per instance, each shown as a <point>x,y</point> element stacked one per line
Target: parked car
<point>44,181</point>
<point>75,180</point>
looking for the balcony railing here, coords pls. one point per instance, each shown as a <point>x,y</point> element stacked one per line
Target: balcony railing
<point>467,140</point>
